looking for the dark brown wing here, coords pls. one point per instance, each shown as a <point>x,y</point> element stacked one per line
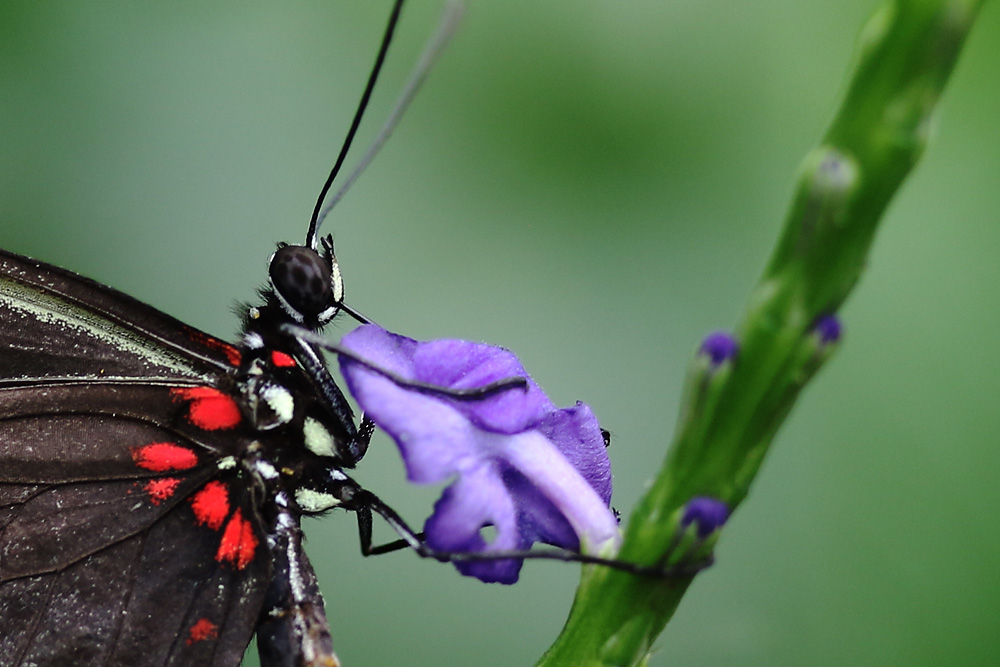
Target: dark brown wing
<point>57,324</point>
<point>129,535</point>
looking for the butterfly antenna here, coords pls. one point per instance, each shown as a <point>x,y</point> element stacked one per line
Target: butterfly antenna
<point>311,237</point>
<point>446,29</point>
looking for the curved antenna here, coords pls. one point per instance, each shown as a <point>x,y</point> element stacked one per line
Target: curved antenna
<point>379,59</point>
<point>446,29</point>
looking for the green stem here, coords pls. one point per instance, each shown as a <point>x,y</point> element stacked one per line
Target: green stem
<point>731,412</point>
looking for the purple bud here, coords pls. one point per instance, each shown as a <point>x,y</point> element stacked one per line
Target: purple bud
<point>720,346</point>
<point>827,327</point>
<point>708,513</point>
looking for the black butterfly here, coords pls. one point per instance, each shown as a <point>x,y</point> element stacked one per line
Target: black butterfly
<point>153,476</point>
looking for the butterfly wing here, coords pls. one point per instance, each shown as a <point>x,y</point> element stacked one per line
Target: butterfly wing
<point>128,536</point>
<point>58,324</point>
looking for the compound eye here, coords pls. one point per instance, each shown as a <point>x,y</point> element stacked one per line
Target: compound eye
<point>302,279</point>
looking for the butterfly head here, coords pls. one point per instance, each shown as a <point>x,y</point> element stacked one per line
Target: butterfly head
<point>308,284</point>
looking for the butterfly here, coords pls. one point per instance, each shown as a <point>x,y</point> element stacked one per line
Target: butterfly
<point>153,477</point>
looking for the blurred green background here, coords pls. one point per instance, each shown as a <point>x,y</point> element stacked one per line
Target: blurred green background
<point>594,185</point>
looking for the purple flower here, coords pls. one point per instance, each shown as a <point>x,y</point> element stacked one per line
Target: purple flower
<point>828,328</point>
<point>708,515</point>
<point>519,467</point>
<point>719,346</point>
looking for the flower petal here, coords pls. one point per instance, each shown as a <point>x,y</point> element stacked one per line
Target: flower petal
<point>531,472</point>
<point>475,500</point>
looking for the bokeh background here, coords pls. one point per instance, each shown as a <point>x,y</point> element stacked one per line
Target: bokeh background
<point>594,185</point>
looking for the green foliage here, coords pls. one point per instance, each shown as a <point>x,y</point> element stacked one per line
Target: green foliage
<point>729,418</point>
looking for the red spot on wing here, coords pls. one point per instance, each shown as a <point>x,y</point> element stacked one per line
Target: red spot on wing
<point>211,504</point>
<point>238,544</point>
<point>161,489</point>
<point>232,354</point>
<point>202,630</point>
<point>210,409</point>
<point>161,456</point>
<point>281,359</point>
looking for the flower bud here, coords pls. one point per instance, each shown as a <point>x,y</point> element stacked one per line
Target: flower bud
<point>719,347</point>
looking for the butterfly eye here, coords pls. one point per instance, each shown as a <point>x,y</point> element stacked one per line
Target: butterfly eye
<point>309,285</point>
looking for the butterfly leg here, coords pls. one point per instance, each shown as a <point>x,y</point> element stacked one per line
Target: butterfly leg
<point>366,504</point>
<point>353,439</point>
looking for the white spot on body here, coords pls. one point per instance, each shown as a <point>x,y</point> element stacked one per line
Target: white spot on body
<point>315,501</point>
<point>253,340</point>
<point>317,439</point>
<point>280,401</point>
<point>336,283</point>
<point>328,314</point>
<point>265,469</point>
